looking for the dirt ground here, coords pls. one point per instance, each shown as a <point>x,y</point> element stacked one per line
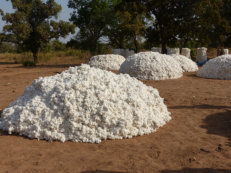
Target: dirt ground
<point>196,140</point>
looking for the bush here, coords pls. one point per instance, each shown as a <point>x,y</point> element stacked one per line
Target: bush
<point>28,64</point>
<point>193,53</point>
<point>58,46</point>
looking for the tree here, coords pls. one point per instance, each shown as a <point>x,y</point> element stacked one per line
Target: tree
<point>226,14</point>
<point>31,27</point>
<point>128,26</point>
<point>213,26</point>
<point>163,28</point>
<point>92,18</point>
<point>185,21</point>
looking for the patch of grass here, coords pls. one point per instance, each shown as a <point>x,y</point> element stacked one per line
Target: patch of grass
<point>44,57</point>
<point>70,56</point>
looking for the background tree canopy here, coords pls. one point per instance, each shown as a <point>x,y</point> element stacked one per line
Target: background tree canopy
<point>31,27</point>
<point>124,24</point>
<point>136,24</point>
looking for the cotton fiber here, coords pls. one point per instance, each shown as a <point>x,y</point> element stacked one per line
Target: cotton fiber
<point>156,49</point>
<point>151,66</point>
<point>186,64</point>
<point>217,68</point>
<point>186,52</point>
<point>123,52</point>
<point>107,62</point>
<point>85,104</point>
<point>171,51</point>
<point>201,58</point>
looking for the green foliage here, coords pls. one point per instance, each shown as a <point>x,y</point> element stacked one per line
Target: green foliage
<point>7,47</point>
<point>226,13</point>
<point>193,22</point>
<point>122,23</point>
<point>128,24</point>
<point>31,27</point>
<point>193,53</point>
<point>91,17</point>
<point>58,46</point>
<point>104,49</point>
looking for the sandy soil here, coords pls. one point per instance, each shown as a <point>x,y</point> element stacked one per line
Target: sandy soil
<point>196,140</point>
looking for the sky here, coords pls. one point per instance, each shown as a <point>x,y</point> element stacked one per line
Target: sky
<point>63,15</point>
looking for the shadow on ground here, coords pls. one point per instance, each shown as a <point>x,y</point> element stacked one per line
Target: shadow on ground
<point>48,66</point>
<point>197,170</point>
<point>100,171</point>
<point>219,124</point>
<point>203,106</point>
<point>58,66</point>
<point>193,75</point>
<point>7,63</point>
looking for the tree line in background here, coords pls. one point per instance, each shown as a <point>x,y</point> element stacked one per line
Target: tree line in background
<point>134,24</point>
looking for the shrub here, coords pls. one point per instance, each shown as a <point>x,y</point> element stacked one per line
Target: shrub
<point>28,64</point>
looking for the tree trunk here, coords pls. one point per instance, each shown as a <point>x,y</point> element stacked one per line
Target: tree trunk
<point>163,41</point>
<point>185,42</point>
<point>136,44</point>
<point>164,47</point>
<point>35,56</point>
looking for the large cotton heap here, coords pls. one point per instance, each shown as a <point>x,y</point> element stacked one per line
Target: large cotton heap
<point>85,104</point>
<point>151,66</point>
<point>186,64</point>
<point>107,62</point>
<point>217,68</point>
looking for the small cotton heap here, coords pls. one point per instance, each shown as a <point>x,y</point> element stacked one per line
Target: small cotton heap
<point>156,49</point>
<point>85,104</point>
<point>186,52</point>
<point>217,68</point>
<point>151,66</point>
<point>171,51</point>
<point>186,64</point>
<point>107,62</point>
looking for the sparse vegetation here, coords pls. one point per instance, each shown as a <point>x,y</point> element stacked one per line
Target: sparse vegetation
<point>53,57</point>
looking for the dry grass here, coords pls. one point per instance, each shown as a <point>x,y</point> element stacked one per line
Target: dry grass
<point>50,58</point>
<point>63,57</point>
<point>212,53</point>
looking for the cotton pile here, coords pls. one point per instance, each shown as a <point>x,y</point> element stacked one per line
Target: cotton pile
<point>151,66</point>
<point>217,68</point>
<point>156,49</point>
<point>186,64</point>
<point>226,51</point>
<point>123,52</point>
<point>85,104</point>
<point>171,51</point>
<point>107,62</point>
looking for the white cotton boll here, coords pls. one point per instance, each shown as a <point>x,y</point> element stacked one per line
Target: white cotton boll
<point>217,68</point>
<point>186,64</point>
<point>107,62</point>
<point>151,66</point>
<point>85,104</point>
